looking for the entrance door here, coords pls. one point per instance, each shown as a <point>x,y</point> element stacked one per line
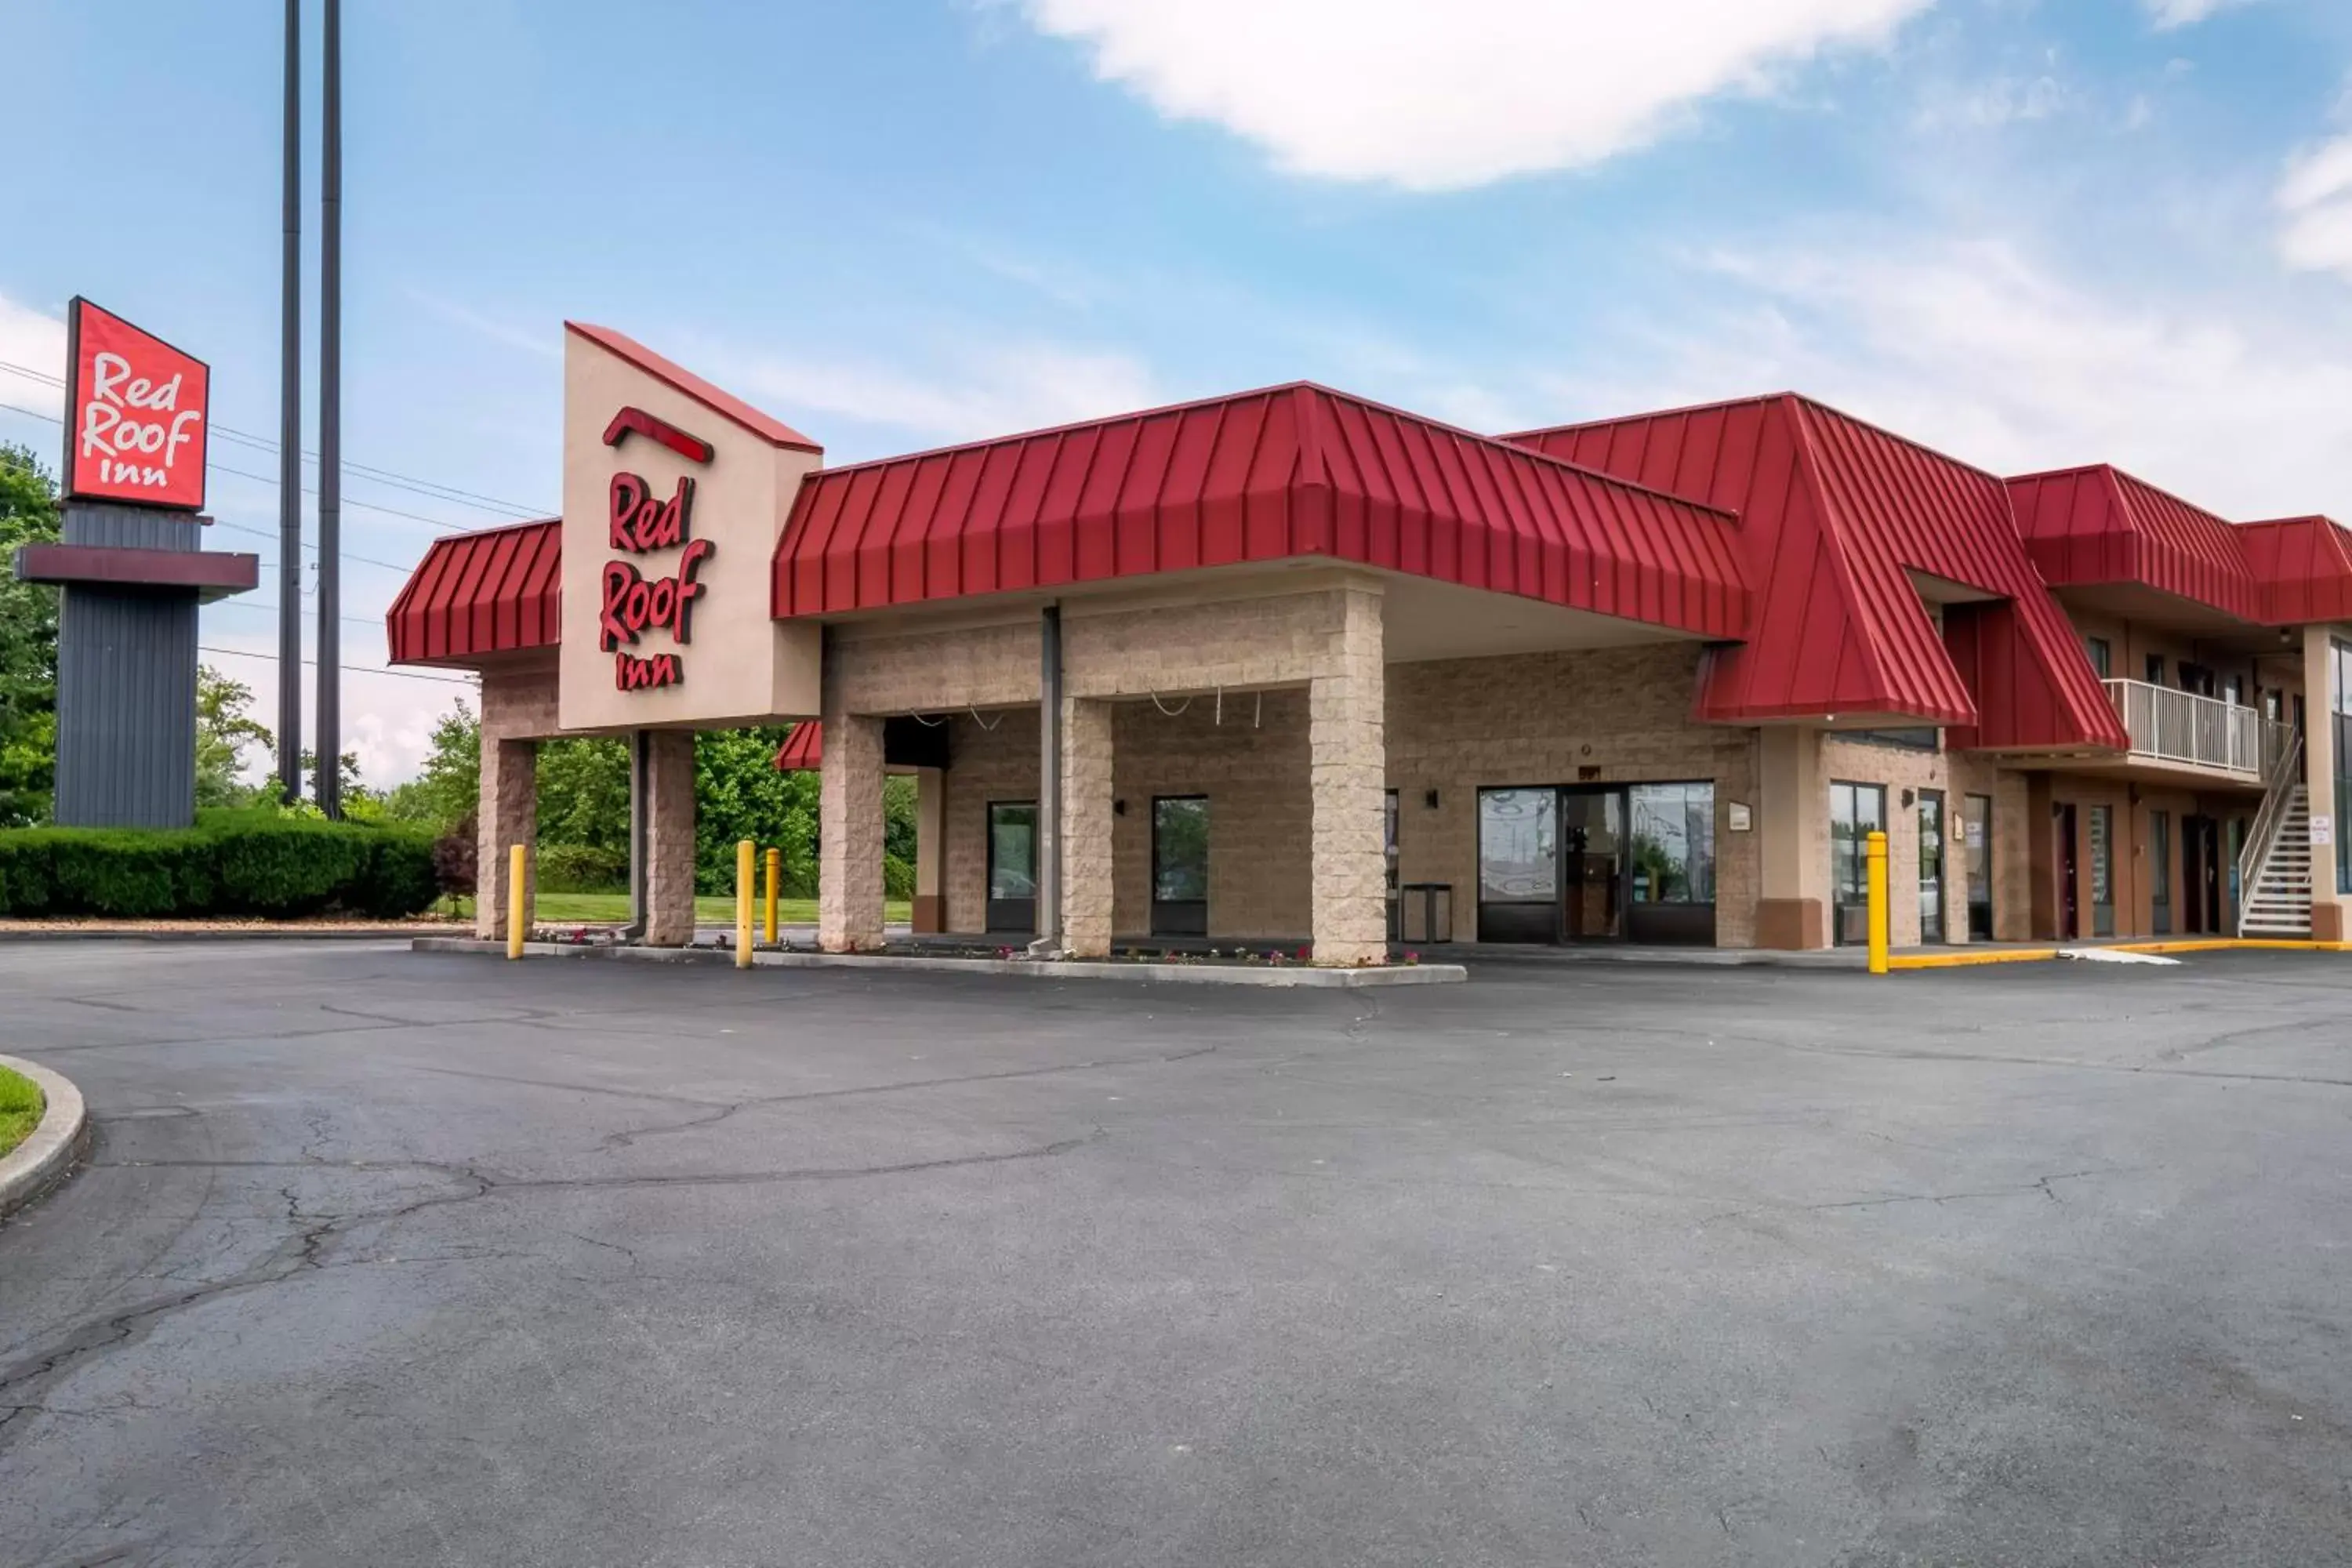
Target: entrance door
<point>1179,864</point>
<point>1931,866</point>
<point>1592,864</point>
<point>1013,865</point>
<point>1976,829</point>
<point>2159,872</point>
<point>2070,872</point>
<point>2200,874</point>
<point>1856,811</point>
<point>2103,870</point>
<point>1518,865</point>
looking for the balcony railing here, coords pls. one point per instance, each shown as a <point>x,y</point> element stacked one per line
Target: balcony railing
<point>2202,731</point>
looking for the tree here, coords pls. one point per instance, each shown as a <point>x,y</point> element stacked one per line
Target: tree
<point>28,645</point>
<point>446,788</point>
<point>224,727</point>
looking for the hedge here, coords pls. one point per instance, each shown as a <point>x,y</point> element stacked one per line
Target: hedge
<point>231,863</point>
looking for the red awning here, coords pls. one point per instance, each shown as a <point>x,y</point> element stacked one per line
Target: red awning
<point>475,595</point>
<point>1837,517</point>
<point>2096,525</point>
<point>2304,566</point>
<point>1291,471</point>
<point>803,748</point>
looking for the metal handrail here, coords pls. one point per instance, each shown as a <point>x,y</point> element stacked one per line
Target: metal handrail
<point>2184,727</point>
<point>2278,789</point>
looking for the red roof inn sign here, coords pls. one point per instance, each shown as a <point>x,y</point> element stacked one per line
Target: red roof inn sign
<point>136,410</point>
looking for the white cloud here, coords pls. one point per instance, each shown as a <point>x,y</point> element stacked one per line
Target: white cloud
<point>2314,200</point>
<point>36,342</point>
<point>1975,348</point>
<point>1432,95</point>
<point>992,391</point>
<point>2170,14</point>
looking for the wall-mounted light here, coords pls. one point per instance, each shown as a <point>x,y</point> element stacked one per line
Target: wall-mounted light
<point>1118,808</point>
<point>1909,797</point>
<point>1429,800</point>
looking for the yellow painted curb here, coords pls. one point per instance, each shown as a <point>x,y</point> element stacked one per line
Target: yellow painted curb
<point>1967,960</point>
<point>2040,954</point>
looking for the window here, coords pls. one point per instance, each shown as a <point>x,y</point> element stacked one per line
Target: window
<point>1925,737</point>
<point>1179,864</point>
<point>2102,656</point>
<point>2234,690</point>
<point>1856,811</point>
<point>2339,702</point>
<point>1674,843</point>
<point>2156,670</point>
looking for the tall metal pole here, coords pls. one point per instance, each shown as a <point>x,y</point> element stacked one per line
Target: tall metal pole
<point>330,415</point>
<point>289,435</point>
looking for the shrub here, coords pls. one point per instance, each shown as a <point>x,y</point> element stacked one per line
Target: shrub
<point>456,856</point>
<point>244,862</point>
<point>583,869</point>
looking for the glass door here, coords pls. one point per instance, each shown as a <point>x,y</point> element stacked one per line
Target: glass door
<point>1518,865</point>
<point>1013,865</point>
<point>2103,870</point>
<point>1856,811</point>
<point>2159,872</point>
<point>1179,864</point>
<point>1976,830</point>
<point>1931,866</point>
<point>1592,864</point>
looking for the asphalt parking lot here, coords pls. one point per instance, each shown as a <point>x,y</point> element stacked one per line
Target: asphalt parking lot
<point>390,1258</point>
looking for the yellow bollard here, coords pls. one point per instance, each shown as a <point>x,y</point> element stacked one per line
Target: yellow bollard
<point>1876,852</point>
<point>775,874</point>
<point>743,851</point>
<point>517,870</point>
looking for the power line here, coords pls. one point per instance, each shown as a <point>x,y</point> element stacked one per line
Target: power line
<point>432,488</point>
<point>258,605</point>
<point>348,669</point>
<point>348,555</point>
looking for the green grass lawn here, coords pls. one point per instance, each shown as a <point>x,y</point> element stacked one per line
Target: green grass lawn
<point>612,909</point>
<point>20,1109</point>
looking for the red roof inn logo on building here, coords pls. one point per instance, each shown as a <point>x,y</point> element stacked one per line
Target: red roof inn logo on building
<point>136,413</point>
<point>643,521</point>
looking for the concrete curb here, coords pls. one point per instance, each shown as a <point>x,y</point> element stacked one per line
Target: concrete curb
<point>1299,978</point>
<point>46,1158</point>
<point>226,933</point>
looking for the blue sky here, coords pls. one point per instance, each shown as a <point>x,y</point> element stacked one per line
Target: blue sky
<point>2035,232</point>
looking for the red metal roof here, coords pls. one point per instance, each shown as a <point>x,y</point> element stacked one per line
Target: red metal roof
<point>2303,565</point>
<point>496,591</point>
<point>1289,471</point>
<point>2099,525</point>
<point>803,748</point>
<point>680,379</point>
<point>1836,514</point>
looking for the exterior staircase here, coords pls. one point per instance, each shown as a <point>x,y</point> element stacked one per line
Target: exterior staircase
<point>2275,871</point>
<point>2277,901</point>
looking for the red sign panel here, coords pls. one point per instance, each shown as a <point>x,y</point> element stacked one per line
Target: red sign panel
<point>137,414</point>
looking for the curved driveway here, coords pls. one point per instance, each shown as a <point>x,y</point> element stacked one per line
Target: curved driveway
<point>386,1259</point>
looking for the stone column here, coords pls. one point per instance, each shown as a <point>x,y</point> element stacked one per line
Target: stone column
<point>1086,827</point>
<point>1792,809</point>
<point>506,814</point>
<point>849,835</point>
<point>669,838</point>
<point>2320,766</point>
<point>1347,788</point>
<point>931,850</point>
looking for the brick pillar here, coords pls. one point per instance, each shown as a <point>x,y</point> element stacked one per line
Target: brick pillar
<point>2321,768</point>
<point>931,850</point>
<point>506,814</point>
<point>1086,827</point>
<point>849,835</point>
<point>1792,808</point>
<point>669,838</point>
<point>1346,784</point>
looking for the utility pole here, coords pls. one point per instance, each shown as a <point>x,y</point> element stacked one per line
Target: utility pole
<point>331,415</point>
<point>289,435</point>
